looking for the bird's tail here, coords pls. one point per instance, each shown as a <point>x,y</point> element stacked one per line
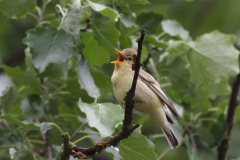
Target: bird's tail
<point>171,138</point>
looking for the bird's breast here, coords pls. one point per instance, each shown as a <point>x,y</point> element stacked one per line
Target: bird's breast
<point>145,98</point>
<point>122,82</point>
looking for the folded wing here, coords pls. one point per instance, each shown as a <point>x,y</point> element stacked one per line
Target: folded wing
<point>155,87</point>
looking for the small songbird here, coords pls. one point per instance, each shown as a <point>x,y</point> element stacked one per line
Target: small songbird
<point>149,97</point>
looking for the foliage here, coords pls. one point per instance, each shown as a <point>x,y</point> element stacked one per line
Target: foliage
<point>64,84</point>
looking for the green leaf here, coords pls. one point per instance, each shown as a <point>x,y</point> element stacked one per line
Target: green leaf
<point>56,71</point>
<point>222,107</point>
<point>43,127</point>
<point>212,58</point>
<point>85,79</point>
<point>103,116</point>
<point>32,107</point>
<point>16,73</point>
<point>49,45</point>
<point>23,124</point>
<point>135,2</point>
<point>125,41</point>
<point>173,28</point>
<point>17,139</point>
<point>17,8</point>
<point>75,4</point>
<point>10,99</point>
<point>69,114</point>
<point>138,147</point>
<point>102,9</point>
<point>214,134</point>
<point>205,135</point>
<point>175,68</point>
<point>72,23</point>
<point>218,130</point>
<point>105,85</point>
<point>105,32</point>
<point>26,80</point>
<point>95,54</point>
<point>11,140</point>
<point>217,89</point>
<point>127,20</point>
<point>149,21</point>
<point>200,101</point>
<point>154,41</point>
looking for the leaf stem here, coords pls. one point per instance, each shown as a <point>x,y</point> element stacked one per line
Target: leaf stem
<point>33,15</point>
<point>208,119</point>
<point>49,15</point>
<point>162,34</point>
<point>81,127</point>
<point>64,115</point>
<point>37,141</point>
<point>80,139</point>
<point>64,14</point>
<point>55,125</point>
<point>158,136</point>
<point>89,132</point>
<point>166,84</point>
<point>200,113</point>
<point>163,153</point>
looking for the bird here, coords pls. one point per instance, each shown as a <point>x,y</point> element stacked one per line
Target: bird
<point>149,97</point>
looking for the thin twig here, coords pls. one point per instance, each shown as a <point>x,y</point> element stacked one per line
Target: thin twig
<point>189,132</point>
<point>234,101</point>
<point>129,102</point>
<point>48,141</point>
<point>49,145</point>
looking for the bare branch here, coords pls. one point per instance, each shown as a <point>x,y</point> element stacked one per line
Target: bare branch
<point>234,101</point>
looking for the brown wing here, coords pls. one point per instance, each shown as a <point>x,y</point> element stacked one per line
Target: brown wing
<point>155,87</point>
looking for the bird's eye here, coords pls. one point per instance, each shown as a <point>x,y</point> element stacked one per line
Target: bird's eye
<point>129,59</point>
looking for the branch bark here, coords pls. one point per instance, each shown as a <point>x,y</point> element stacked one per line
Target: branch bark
<point>234,101</point>
<point>127,129</point>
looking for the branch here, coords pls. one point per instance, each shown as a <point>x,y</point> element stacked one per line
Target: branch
<point>47,139</point>
<point>48,144</point>
<point>189,132</point>
<point>234,101</point>
<point>127,128</point>
<point>67,148</point>
<point>129,102</point>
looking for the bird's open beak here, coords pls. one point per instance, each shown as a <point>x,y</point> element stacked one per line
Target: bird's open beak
<point>120,57</point>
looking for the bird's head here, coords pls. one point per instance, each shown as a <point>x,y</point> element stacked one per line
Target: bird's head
<point>126,58</point>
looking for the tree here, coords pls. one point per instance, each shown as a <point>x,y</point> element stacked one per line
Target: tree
<point>64,82</point>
